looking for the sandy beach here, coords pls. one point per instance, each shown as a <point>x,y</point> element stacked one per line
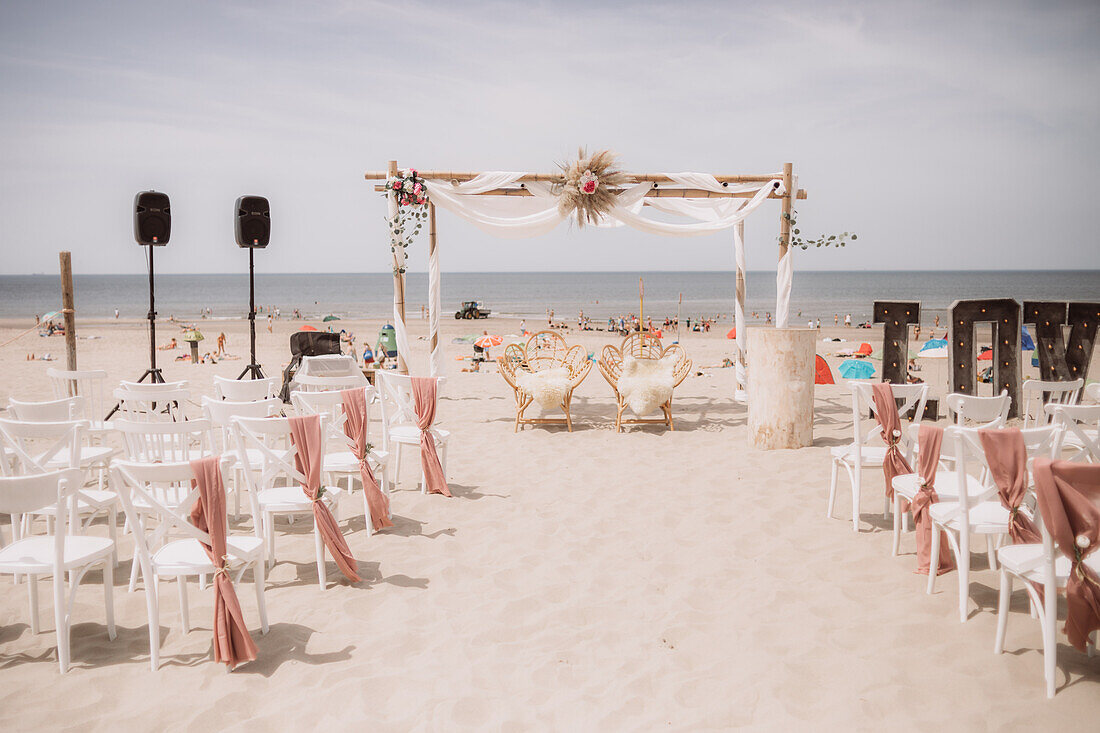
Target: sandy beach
<point>586,581</point>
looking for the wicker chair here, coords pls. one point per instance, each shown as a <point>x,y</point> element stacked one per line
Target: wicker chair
<point>544,350</point>
<point>641,346</point>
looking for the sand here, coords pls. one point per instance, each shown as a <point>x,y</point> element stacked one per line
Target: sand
<point>587,580</point>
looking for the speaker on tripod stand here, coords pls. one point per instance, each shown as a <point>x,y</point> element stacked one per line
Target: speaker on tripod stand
<point>252,228</point>
<point>152,228</point>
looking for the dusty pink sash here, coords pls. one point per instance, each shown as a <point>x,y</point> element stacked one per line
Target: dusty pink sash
<point>886,412</point>
<point>305,434</point>
<point>930,440</point>
<point>232,642</point>
<point>355,427</point>
<point>1006,455</point>
<point>424,394</point>
<point>1068,493</point>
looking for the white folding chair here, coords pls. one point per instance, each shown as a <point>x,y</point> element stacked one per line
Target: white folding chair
<point>1080,426</point>
<point>276,488</point>
<point>969,516</point>
<point>1037,394</point>
<point>55,554</point>
<point>861,453</point>
<point>342,463</point>
<point>91,386</point>
<point>399,423</point>
<point>146,485</point>
<point>245,390</point>
<point>310,383</point>
<point>152,402</point>
<point>166,442</point>
<point>220,413</point>
<point>60,410</point>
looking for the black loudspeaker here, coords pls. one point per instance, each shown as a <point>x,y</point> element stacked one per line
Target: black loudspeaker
<point>253,226</point>
<point>152,218</point>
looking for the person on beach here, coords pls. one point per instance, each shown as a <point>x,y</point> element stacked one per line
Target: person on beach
<point>523,326</point>
<point>168,346</point>
<point>221,343</point>
<point>271,321</point>
<point>368,355</point>
<point>116,314</point>
<point>848,320</point>
<point>836,319</point>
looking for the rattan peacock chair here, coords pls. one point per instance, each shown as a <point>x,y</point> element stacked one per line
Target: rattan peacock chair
<point>642,346</point>
<point>544,350</point>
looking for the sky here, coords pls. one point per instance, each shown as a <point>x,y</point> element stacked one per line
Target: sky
<point>946,135</point>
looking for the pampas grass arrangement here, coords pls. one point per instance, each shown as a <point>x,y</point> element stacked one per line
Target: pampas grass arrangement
<point>589,185</point>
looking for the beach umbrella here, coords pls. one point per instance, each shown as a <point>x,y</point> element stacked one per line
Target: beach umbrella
<point>192,334</point>
<point>822,373</point>
<point>330,317</point>
<point>489,341</point>
<point>50,316</point>
<point>865,349</point>
<point>934,349</point>
<point>307,327</point>
<point>987,354</point>
<point>856,369</point>
<point>1026,344</point>
<point>732,334</point>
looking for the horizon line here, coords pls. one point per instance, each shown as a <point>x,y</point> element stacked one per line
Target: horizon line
<point>556,272</point>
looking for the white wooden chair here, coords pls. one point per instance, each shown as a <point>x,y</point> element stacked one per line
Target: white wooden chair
<point>311,383</point>
<point>1080,426</point>
<point>91,386</point>
<point>220,413</point>
<point>1036,395</point>
<point>399,424</point>
<point>972,516</point>
<point>152,402</point>
<point>55,554</point>
<point>863,452</point>
<point>341,462</point>
<point>46,447</point>
<point>145,485</point>
<point>276,488</point>
<point>245,390</point>
<point>92,456</point>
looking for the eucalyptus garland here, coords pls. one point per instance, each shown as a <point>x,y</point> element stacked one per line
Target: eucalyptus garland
<point>831,240</point>
<point>412,209</point>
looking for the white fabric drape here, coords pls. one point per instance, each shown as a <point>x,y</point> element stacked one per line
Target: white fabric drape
<point>436,362</point>
<point>739,311</point>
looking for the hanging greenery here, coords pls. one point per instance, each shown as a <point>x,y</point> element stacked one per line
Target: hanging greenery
<point>831,240</point>
<point>590,183</point>
<point>412,209</point>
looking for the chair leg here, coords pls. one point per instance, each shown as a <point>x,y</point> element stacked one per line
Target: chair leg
<point>32,593</point>
<point>934,561</point>
<point>319,547</point>
<point>857,488</point>
<point>61,621</point>
<point>109,595</point>
<point>396,467</point>
<point>832,491</point>
<point>259,581</point>
<point>897,525</point>
<point>185,611</point>
<point>269,529</point>
<point>991,550</point>
<point>152,608</point>
<point>1049,620</point>
<point>112,532</point>
<point>1003,600</point>
<point>962,562</point>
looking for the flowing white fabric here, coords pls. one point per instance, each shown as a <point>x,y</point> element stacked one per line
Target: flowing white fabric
<point>434,306</point>
<point>784,279</point>
<point>739,312</point>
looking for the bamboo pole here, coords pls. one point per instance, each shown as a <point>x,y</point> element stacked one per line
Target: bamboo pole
<point>661,193</point>
<point>398,283</point>
<point>433,323</point>
<point>785,211</point>
<point>67,309</point>
<point>559,178</point>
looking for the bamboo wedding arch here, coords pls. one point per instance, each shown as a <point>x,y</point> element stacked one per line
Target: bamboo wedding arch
<point>782,186</point>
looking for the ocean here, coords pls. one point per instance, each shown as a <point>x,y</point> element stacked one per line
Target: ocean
<point>529,294</point>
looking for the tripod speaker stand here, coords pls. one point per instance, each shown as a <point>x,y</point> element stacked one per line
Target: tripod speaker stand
<point>252,229</point>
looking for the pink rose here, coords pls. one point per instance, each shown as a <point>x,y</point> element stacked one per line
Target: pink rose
<point>589,187</point>
<point>416,188</point>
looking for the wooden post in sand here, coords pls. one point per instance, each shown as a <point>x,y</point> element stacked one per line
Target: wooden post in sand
<point>398,285</point>
<point>67,309</point>
<point>433,316</point>
<point>782,309</point>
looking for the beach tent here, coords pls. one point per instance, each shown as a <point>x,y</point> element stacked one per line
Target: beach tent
<point>517,205</point>
<point>308,327</point>
<point>934,349</point>
<point>986,354</point>
<point>1026,344</point>
<point>732,333</point>
<point>822,373</point>
<point>856,369</point>
<point>865,349</point>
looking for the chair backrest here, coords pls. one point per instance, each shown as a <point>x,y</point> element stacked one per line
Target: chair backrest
<point>39,447</point>
<point>309,383</point>
<point>245,390</point>
<point>331,406</point>
<point>152,405</point>
<point>221,412</point>
<point>166,442</point>
<point>153,387</point>
<point>88,384</point>
<point>164,490</point>
<point>61,410</point>
<point>26,494</point>
<point>544,350</point>
<point>397,403</point>
<point>1079,431</point>
<point>270,437</point>
<point>912,396</point>
<point>1036,394</point>
<point>988,412</point>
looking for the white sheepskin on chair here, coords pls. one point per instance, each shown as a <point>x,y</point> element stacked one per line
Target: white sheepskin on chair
<point>646,384</point>
<point>548,387</point>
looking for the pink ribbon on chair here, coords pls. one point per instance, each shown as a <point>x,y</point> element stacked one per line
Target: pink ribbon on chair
<point>424,389</point>
<point>930,439</point>
<point>1068,494</point>
<point>355,427</point>
<point>886,412</point>
<point>1006,455</point>
<point>232,642</point>
<point>309,453</point>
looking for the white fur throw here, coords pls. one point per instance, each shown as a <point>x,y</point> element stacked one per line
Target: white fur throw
<point>548,387</point>
<point>646,384</point>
